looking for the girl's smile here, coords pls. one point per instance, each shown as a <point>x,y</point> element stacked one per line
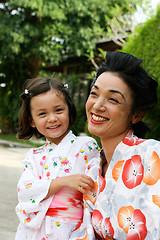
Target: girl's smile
<point>50,115</point>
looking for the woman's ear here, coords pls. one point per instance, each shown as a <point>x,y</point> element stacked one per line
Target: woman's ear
<point>137,116</point>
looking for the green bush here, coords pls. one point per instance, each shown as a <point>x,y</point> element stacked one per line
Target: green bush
<point>145,44</point>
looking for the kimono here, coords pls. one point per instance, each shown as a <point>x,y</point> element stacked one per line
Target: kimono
<point>127,204</point>
<point>57,216</point>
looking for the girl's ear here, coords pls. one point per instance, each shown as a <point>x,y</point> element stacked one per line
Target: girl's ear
<point>32,124</point>
<point>137,117</point>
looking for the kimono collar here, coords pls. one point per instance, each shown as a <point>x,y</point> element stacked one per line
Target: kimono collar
<point>131,140</point>
<point>50,145</point>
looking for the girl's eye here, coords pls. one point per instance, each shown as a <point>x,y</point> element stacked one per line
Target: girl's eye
<point>42,114</point>
<point>59,110</point>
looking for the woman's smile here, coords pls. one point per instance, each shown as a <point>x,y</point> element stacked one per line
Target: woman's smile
<point>97,119</point>
<point>108,107</point>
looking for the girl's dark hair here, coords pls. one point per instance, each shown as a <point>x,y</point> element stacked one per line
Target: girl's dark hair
<point>143,86</point>
<point>34,87</point>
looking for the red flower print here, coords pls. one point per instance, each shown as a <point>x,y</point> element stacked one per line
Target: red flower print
<point>97,221</point>
<point>117,170</point>
<point>137,229</point>
<point>133,222</point>
<point>153,173</point>
<point>102,183</point>
<point>124,217</point>
<point>133,172</point>
<point>132,140</point>
<point>108,228</point>
<point>156,200</point>
<point>91,196</point>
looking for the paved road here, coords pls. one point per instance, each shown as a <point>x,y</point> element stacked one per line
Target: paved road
<point>10,171</point>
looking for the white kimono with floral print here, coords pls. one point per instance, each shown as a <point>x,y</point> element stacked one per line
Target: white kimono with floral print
<point>128,197</point>
<point>73,155</point>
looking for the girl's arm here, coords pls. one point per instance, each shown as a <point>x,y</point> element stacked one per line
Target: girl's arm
<point>32,190</point>
<point>78,182</point>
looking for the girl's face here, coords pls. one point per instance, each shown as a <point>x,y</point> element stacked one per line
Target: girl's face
<point>50,115</point>
<point>108,107</point>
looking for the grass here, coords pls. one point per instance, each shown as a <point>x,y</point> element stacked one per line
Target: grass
<point>12,137</point>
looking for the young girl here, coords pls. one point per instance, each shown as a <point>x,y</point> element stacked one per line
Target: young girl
<point>51,186</point>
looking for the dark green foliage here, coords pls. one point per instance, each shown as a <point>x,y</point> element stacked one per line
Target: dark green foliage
<point>145,44</point>
<point>38,33</point>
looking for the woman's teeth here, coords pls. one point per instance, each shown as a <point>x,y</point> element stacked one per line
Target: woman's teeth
<point>98,119</point>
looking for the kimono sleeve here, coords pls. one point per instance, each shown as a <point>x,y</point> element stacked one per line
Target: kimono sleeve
<point>150,192</point>
<point>92,154</point>
<point>31,209</point>
<point>93,172</point>
<point>84,229</point>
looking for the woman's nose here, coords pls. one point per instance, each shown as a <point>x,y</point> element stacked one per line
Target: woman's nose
<point>100,105</point>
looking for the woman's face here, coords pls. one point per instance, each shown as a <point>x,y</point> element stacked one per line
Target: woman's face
<point>108,107</point>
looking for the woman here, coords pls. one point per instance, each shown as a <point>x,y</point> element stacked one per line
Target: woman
<point>128,197</point>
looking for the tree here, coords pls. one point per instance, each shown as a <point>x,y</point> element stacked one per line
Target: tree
<point>145,44</point>
<point>34,33</point>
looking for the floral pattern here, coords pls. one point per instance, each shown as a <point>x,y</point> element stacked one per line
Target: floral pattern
<point>156,200</point>
<point>127,204</point>
<point>132,140</point>
<point>91,196</point>
<point>153,172</point>
<point>117,170</point>
<point>133,222</point>
<point>133,172</point>
<point>56,217</point>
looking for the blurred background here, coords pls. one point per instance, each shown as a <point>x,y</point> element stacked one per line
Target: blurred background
<point>69,38</point>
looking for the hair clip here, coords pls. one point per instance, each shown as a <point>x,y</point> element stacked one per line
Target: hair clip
<point>26,91</point>
<point>66,85</point>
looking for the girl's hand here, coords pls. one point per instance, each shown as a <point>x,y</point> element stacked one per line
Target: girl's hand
<point>79,182</point>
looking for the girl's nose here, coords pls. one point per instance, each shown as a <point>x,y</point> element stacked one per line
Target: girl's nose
<point>52,118</point>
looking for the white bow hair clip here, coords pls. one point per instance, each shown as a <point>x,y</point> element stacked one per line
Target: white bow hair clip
<point>66,85</point>
<point>26,91</point>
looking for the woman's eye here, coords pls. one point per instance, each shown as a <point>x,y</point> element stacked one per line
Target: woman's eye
<point>114,100</point>
<point>93,93</point>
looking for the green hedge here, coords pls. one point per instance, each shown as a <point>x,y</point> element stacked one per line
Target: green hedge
<point>145,44</point>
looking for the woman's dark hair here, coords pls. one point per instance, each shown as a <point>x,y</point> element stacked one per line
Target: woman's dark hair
<point>34,87</point>
<point>143,86</point>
